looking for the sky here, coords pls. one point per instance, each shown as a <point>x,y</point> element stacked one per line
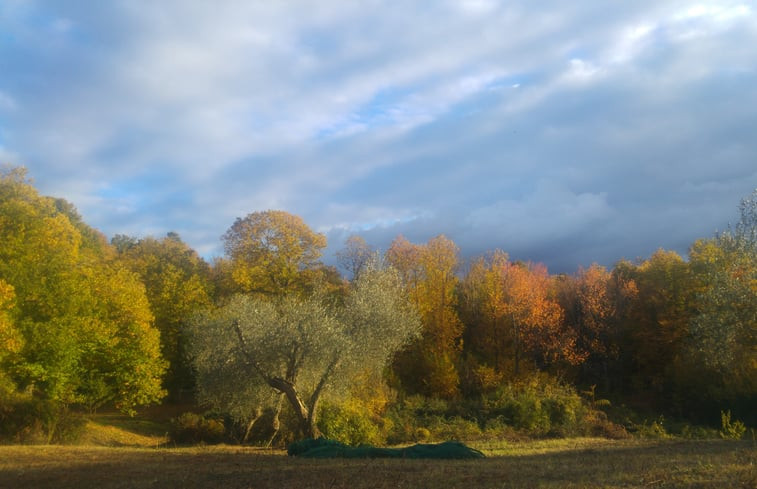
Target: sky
<point>560,132</point>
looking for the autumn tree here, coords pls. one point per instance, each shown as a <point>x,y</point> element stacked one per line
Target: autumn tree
<point>430,365</point>
<point>534,318</point>
<point>10,337</point>
<point>355,255</point>
<point>177,282</point>
<point>487,342</point>
<point>85,326</point>
<point>595,301</point>
<point>658,324</point>
<point>272,252</point>
<point>300,347</point>
<point>723,346</point>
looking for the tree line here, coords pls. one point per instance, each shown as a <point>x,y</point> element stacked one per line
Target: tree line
<point>86,322</point>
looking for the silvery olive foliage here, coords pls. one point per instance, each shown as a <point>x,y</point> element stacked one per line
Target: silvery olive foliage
<point>725,330</point>
<point>251,350</point>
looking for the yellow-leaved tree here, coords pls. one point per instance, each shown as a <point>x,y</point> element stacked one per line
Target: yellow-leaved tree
<point>272,253</point>
<point>429,366</point>
<point>177,282</point>
<point>85,327</point>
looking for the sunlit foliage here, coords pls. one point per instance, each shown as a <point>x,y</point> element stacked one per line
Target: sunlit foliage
<point>271,252</point>
<point>430,365</point>
<point>84,321</point>
<point>724,332</point>
<point>177,282</point>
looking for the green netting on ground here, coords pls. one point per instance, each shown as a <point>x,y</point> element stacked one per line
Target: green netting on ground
<point>323,448</point>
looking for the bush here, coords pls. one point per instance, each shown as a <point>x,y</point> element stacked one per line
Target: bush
<point>595,423</point>
<point>191,428</point>
<point>27,419</point>
<point>539,405</point>
<point>422,434</point>
<point>731,430</point>
<point>453,428</point>
<point>348,425</point>
<point>653,429</point>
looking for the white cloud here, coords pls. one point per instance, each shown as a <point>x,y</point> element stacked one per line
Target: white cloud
<point>360,116</point>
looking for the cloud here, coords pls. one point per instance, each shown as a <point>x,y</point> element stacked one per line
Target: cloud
<point>564,133</point>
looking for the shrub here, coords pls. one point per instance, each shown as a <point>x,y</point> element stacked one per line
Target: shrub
<point>497,428</point>
<point>539,405</point>
<point>27,419</point>
<point>451,428</point>
<point>191,428</point>
<point>349,425</point>
<point>653,429</point>
<point>595,423</point>
<point>731,430</point>
<point>422,434</point>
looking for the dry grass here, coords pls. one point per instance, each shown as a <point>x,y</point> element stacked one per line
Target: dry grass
<point>584,463</point>
<point>121,431</point>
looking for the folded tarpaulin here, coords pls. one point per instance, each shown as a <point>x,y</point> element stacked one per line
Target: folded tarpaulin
<point>324,448</point>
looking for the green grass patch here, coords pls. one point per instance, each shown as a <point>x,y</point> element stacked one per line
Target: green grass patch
<point>115,430</point>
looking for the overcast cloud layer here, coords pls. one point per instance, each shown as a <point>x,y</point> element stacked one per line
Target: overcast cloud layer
<point>562,132</point>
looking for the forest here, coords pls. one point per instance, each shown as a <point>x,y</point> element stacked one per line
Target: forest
<point>268,344</point>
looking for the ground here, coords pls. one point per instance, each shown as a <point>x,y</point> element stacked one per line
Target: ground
<point>114,457</point>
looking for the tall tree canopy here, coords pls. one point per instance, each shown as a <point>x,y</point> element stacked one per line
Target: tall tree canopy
<point>300,346</point>
<point>430,365</point>
<point>724,332</point>
<point>272,252</point>
<point>84,322</point>
<point>596,302</point>
<point>177,282</point>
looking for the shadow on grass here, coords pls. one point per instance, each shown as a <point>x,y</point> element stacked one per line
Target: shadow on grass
<point>701,464</point>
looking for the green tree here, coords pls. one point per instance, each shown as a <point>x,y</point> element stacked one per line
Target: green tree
<point>299,346</point>
<point>724,331</point>
<point>177,282</point>
<point>10,338</point>
<point>658,326</point>
<point>84,322</point>
<point>487,343</point>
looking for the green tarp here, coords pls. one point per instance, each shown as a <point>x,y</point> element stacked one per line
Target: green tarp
<point>324,448</point>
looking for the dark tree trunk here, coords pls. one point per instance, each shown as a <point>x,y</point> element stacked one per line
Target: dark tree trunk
<point>306,417</point>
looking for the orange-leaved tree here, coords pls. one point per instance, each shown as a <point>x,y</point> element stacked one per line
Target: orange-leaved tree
<point>533,316</point>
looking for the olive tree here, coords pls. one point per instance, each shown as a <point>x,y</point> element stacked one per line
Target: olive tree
<point>299,347</point>
<point>724,332</point>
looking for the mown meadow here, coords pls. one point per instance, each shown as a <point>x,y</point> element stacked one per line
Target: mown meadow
<point>122,452</point>
<point>554,464</point>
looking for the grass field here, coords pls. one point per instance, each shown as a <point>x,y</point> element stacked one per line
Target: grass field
<point>121,452</point>
<point>554,464</point>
